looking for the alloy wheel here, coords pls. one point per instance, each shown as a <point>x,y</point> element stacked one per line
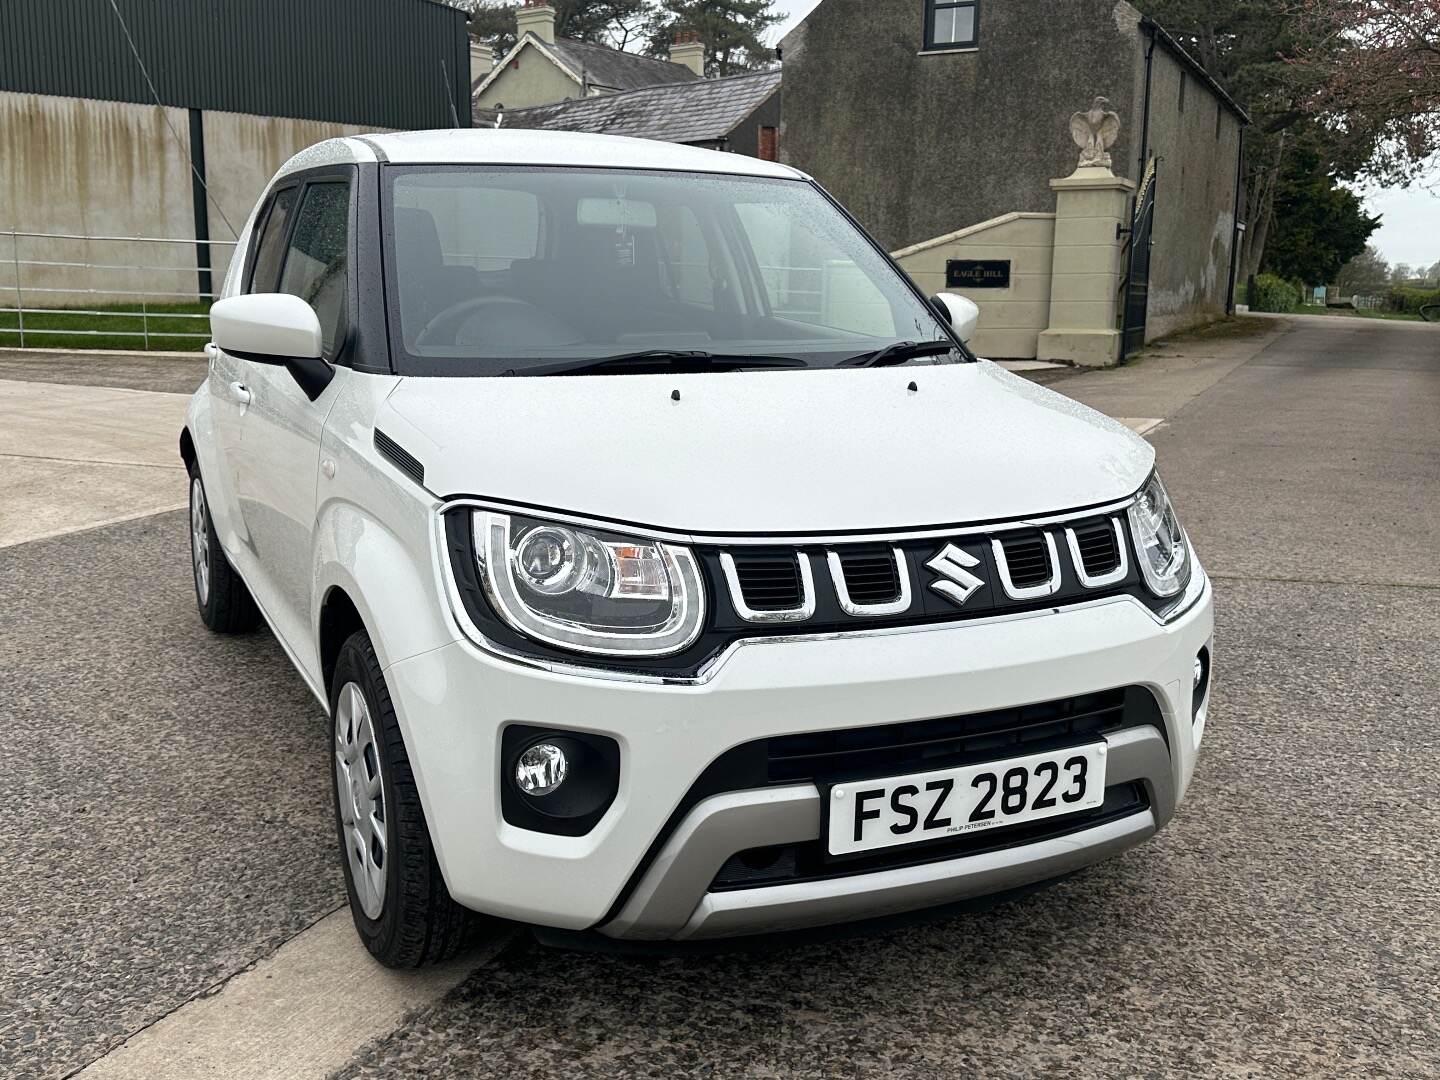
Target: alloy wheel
<point>360,795</point>
<point>200,540</point>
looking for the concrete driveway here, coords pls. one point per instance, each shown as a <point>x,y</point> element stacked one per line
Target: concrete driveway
<point>169,878</point>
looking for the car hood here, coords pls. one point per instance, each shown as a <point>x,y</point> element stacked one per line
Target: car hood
<point>769,451</point>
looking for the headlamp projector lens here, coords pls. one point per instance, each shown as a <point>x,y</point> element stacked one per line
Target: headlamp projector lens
<point>541,769</point>
<point>548,560</point>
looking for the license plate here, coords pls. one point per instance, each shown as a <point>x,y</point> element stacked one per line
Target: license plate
<point>869,814</point>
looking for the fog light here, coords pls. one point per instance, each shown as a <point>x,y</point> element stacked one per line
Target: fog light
<point>541,769</point>
<point>1197,675</point>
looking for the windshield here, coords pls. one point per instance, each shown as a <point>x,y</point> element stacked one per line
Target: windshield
<point>508,270</point>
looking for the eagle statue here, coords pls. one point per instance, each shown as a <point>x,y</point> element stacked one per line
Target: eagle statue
<point>1095,131</point>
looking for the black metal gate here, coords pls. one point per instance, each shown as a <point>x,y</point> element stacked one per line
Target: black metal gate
<point>1137,277</point>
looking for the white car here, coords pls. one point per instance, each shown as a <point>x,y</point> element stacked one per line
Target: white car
<point>667,565</point>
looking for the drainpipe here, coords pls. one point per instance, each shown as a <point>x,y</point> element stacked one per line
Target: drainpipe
<point>1239,225</point>
<point>1140,179</point>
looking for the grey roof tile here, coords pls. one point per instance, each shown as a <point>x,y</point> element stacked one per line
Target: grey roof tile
<point>616,70</point>
<point>703,110</point>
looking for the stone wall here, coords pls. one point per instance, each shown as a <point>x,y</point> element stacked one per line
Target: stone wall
<point>1010,319</point>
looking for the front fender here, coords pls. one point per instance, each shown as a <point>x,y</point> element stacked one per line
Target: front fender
<point>387,573</point>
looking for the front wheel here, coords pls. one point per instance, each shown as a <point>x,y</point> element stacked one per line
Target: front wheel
<point>402,910</point>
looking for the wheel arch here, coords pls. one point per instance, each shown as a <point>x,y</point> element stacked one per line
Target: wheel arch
<point>187,448</point>
<point>371,577</point>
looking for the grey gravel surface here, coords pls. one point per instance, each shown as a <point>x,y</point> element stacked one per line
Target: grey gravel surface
<point>130,371</point>
<point>1283,925</point>
<point>165,794</point>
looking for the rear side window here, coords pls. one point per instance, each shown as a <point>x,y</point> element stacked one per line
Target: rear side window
<point>316,262</point>
<point>270,251</point>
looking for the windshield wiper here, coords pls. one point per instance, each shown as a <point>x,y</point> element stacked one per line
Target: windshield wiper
<point>682,360</point>
<point>898,353</point>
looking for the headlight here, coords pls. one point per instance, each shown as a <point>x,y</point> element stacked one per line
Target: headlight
<point>593,592</point>
<point>1160,545</point>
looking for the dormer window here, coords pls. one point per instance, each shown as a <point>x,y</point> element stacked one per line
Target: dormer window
<point>952,24</point>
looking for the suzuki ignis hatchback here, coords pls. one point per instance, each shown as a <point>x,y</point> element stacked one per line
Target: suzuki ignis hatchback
<point>667,566</point>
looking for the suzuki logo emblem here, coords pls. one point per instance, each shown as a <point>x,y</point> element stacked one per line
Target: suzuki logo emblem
<point>951,564</point>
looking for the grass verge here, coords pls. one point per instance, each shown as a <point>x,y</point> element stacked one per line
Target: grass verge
<point>116,328</point>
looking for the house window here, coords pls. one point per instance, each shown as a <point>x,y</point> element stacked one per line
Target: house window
<point>951,24</point>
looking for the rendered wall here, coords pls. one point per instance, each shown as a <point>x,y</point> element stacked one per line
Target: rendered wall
<point>535,81</point>
<point>95,168</point>
<point>918,144</point>
<point>1010,319</point>
<point>1194,200</point>
<point>104,168</point>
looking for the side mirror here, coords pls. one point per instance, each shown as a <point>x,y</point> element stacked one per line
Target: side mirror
<point>960,312</point>
<point>268,328</point>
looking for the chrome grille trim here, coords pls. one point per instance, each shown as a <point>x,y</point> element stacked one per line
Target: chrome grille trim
<point>1033,592</point>
<point>805,611</point>
<point>1118,574</point>
<point>842,591</point>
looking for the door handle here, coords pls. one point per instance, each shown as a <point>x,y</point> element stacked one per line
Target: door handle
<point>239,394</point>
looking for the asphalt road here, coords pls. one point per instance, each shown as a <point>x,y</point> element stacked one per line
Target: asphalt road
<point>166,794</point>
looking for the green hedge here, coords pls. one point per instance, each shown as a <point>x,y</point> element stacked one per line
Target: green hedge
<point>1410,301</point>
<point>1274,294</point>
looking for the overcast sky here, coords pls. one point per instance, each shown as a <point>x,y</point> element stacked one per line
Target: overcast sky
<point>1410,227</point>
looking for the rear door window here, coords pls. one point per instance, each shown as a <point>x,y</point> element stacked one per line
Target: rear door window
<point>316,262</point>
<point>270,251</point>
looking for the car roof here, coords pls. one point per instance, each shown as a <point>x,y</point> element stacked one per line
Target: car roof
<point>492,146</point>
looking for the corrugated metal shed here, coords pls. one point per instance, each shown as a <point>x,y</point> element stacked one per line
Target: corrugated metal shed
<point>389,63</point>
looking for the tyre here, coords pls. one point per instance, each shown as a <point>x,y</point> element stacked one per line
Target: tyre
<point>402,910</point>
<point>224,602</point>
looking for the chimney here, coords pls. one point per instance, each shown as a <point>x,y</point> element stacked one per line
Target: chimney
<point>482,61</point>
<point>689,51</point>
<point>536,17</point>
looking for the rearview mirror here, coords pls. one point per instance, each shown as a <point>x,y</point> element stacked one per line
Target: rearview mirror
<point>616,213</point>
<point>268,328</point>
<point>962,313</point>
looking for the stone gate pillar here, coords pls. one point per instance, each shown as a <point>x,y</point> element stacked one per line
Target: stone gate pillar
<point>1091,206</point>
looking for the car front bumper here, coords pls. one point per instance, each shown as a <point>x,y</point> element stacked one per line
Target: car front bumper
<point>631,878</point>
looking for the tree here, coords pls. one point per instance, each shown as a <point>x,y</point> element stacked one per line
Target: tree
<point>1367,274</point>
<point>1400,274</point>
<point>616,23</point>
<point>732,30</point>
<point>1319,225</point>
<point>1378,68</point>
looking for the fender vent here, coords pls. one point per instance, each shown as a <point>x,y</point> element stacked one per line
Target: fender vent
<point>398,456</point>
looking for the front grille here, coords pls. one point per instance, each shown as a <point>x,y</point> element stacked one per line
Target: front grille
<point>871,576</point>
<point>785,864</point>
<point>1099,554</point>
<point>769,580</point>
<point>1027,556</point>
<point>894,749</point>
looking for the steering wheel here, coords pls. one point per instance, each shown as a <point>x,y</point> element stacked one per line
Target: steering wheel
<point>443,327</point>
